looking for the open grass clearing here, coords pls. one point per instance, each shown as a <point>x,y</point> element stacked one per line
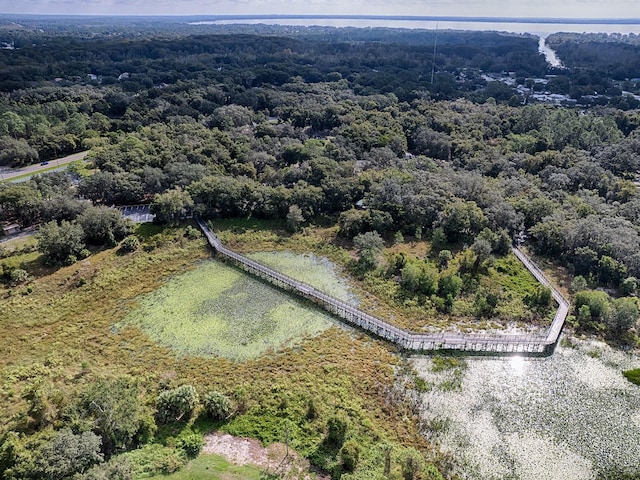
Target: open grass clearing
<point>214,467</point>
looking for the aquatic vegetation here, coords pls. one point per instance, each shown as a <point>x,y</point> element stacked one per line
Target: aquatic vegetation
<point>216,310</point>
<point>308,268</point>
<point>570,416</point>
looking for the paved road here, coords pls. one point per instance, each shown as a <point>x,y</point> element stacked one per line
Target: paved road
<point>33,169</point>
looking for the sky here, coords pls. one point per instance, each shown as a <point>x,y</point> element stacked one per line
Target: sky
<point>482,8</point>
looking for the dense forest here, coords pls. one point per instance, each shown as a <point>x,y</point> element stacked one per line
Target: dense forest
<point>373,130</point>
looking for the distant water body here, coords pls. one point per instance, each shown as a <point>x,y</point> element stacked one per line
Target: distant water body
<point>537,26</point>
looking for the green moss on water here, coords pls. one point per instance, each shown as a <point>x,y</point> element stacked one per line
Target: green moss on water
<point>216,310</point>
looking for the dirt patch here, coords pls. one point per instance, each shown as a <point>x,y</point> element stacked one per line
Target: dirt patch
<point>274,458</point>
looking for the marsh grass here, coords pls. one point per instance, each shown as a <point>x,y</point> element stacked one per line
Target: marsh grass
<point>217,310</point>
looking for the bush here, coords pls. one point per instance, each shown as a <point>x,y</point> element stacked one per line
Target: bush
<point>130,244</point>
<point>190,444</point>
<point>633,375</point>
<point>349,455</point>
<point>338,425</point>
<point>174,405</point>
<point>18,276</point>
<point>191,233</point>
<point>217,406</point>
<point>60,244</point>
<point>154,459</point>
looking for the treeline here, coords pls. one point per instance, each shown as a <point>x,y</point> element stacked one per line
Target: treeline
<point>373,60</point>
<point>613,56</point>
<point>600,69</point>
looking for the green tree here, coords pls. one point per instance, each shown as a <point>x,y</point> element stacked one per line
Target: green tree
<point>611,271</point>
<point>369,245</point>
<point>598,307</point>
<point>444,257</point>
<point>171,206</point>
<point>16,152</point>
<point>628,286</point>
<point>60,244</point>
<point>20,202</point>
<point>115,406</point>
<point>462,219</point>
<point>578,283</point>
<point>66,454</point>
<point>294,218</point>
<point>482,251</point>
<point>623,315</point>
<point>353,222</point>
<point>449,285</point>
<point>104,225</point>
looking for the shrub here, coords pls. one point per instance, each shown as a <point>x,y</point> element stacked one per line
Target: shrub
<point>190,444</point>
<point>18,276</point>
<point>130,244</point>
<point>154,459</point>
<point>174,405</point>
<point>338,425</point>
<point>217,406</point>
<point>633,375</point>
<point>349,455</point>
<point>191,233</point>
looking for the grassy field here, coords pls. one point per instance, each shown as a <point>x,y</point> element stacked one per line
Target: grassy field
<point>168,315</point>
<point>213,467</point>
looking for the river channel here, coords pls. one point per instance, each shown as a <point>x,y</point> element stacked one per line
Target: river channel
<point>572,416</point>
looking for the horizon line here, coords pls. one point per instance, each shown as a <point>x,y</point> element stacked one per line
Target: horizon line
<point>275,16</point>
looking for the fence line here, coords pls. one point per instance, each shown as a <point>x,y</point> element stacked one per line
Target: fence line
<point>416,342</point>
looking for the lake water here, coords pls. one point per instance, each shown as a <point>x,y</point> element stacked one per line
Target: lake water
<point>542,29</point>
<point>572,416</point>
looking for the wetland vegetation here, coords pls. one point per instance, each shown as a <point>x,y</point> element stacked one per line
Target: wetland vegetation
<point>216,310</point>
<point>571,415</point>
